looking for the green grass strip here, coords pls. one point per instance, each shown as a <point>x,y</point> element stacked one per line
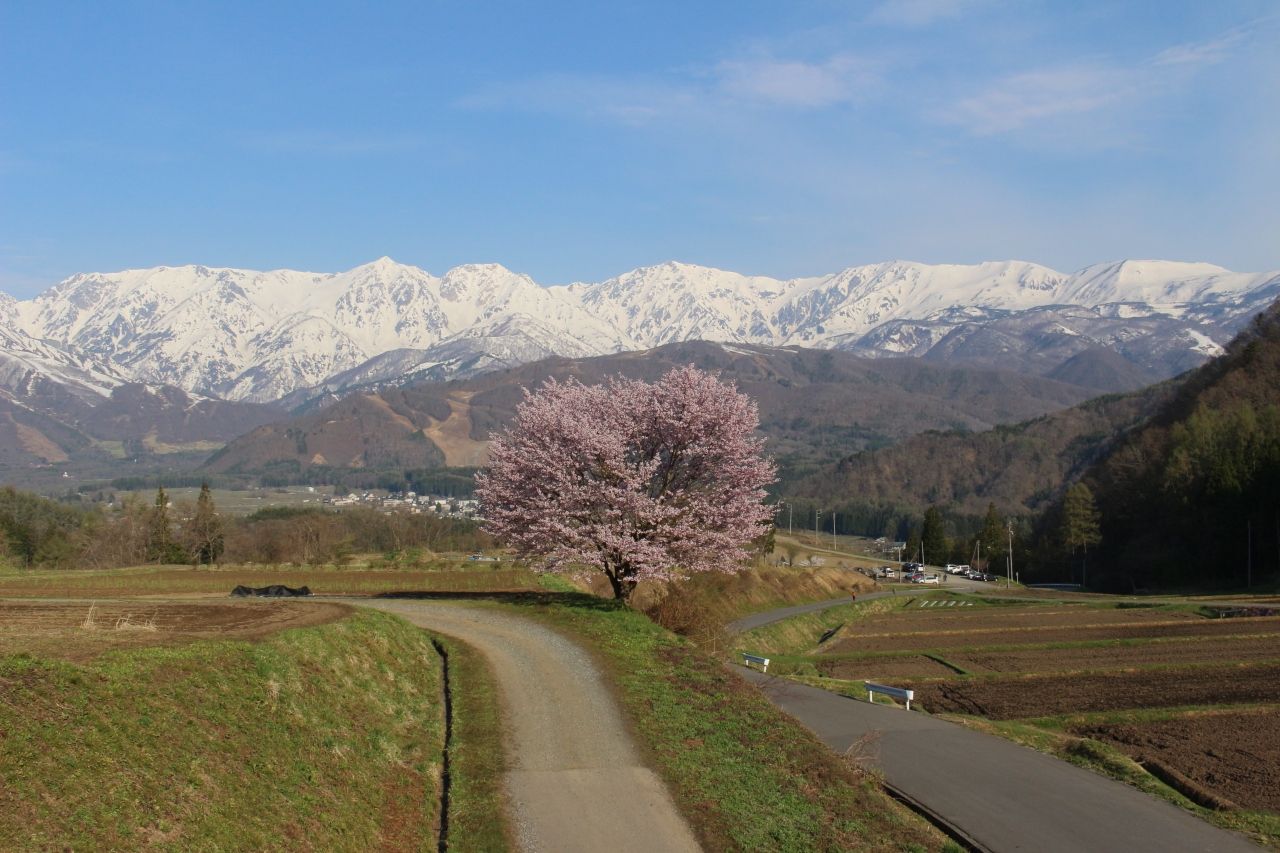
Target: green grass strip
<point>476,762</point>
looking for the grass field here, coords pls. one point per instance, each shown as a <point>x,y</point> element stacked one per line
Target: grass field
<point>1156,694</point>
<point>185,581</point>
<point>244,501</point>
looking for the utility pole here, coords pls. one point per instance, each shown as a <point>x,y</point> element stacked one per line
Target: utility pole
<point>1008,578</point>
<point>834,545</point>
<point>1249,566</point>
<point>817,523</point>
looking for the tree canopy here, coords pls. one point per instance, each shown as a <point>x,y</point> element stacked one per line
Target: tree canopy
<point>635,479</point>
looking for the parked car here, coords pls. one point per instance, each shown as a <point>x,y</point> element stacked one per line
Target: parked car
<point>929,579</point>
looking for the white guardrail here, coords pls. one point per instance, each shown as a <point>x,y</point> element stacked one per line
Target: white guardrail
<point>756,659</point>
<point>896,692</point>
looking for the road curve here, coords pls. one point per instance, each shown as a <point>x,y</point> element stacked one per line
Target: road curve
<point>575,782</point>
<point>999,796</point>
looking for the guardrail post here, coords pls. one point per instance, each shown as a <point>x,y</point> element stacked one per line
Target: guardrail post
<point>900,693</point>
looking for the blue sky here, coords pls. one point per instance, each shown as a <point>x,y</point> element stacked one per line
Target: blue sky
<point>575,141</point>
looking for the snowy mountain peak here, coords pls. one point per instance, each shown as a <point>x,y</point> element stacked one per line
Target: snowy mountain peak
<point>261,336</point>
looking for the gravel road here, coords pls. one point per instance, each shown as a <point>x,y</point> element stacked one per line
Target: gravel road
<point>575,781</point>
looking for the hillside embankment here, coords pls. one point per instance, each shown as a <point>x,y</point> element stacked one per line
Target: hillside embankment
<point>165,727</point>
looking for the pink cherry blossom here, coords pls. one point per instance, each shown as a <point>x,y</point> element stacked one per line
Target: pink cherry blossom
<point>637,480</point>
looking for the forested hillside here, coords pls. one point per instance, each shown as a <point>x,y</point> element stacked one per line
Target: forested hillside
<point>1175,484</point>
<point>1019,468</point>
<point>1193,496</point>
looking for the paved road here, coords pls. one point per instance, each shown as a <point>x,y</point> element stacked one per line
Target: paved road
<point>575,781</point>
<point>755,620</point>
<point>1001,797</point>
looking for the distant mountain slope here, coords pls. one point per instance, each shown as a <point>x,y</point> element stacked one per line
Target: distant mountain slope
<point>1020,467</point>
<point>132,421</point>
<point>61,404</point>
<point>263,336</point>
<point>814,405</point>
<point>389,429</point>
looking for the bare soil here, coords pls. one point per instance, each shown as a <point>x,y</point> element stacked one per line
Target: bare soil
<point>1235,754</point>
<point>916,619</point>
<point>1054,695</point>
<point>904,666</point>
<point>64,630</point>
<point>1193,651</point>
<point>966,637</point>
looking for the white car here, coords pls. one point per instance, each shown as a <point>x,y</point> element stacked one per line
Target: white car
<point>929,579</point>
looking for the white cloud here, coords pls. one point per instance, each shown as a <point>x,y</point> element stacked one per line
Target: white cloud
<point>1086,87</point>
<point>796,84</point>
<point>1025,98</point>
<point>918,13</point>
<point>630,102</point>
<point>1202,53</point>
<point>719,90</point>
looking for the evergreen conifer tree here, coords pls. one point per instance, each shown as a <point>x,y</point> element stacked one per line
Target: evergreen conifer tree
<point>934,538</point>
<point>202,534</point>
<point>161,546</point>
<point>912,552</point>
<point>992,537</point>
<point>1079,526</point>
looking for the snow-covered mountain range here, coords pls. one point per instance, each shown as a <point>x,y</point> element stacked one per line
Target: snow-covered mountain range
<point>289,336</point>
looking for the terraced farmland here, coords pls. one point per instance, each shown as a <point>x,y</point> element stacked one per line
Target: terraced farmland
<point>1169,685</point>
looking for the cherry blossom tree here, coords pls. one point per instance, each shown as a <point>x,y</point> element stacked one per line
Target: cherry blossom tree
<point>635,479</point>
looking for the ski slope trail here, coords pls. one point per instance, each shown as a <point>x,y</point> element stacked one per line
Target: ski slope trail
<point>574,781</point>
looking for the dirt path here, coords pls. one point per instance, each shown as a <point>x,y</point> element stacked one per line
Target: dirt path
<point>575,782</point>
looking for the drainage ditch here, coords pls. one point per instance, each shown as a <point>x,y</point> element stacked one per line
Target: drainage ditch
<point>447,690</point>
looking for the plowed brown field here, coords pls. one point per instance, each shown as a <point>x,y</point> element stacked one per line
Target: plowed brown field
<point>1053,695</point>
<point>898,666</point>
<point>1179,652</point>
<point>1176,653</point>
<point>915,620</point>
<point>64,630</point>
<point>1235,754</point>
<point>1180,659</point>
<point>950,638</point>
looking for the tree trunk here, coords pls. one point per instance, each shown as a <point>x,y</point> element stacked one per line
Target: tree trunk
<point>622,585</point>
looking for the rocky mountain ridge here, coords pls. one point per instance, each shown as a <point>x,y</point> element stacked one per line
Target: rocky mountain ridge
<point>287,336</point>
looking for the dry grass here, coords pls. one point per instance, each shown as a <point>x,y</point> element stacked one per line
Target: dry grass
<point>185,581</point>
<point>863,754</point>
